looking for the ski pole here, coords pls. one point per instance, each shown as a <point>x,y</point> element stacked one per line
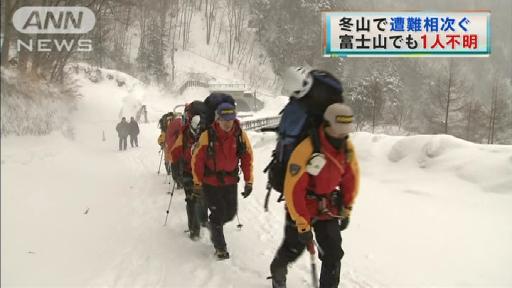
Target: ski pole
<point>161,157</point>
<point>239,226</point>
<point>314,277</point>
<point>320,250</point>
<point>169,207</point>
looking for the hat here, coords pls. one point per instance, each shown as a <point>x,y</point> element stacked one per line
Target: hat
<point>226,111</point>
<point>340,118</point>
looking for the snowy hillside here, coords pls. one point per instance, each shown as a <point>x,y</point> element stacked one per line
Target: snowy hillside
<point>432,210</point>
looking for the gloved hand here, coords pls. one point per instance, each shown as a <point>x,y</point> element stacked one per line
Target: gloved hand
<point>345,217</point>
<point>344,223</point>
<point>197,192</point>
<point>306,237</point>
<point>247,190</point>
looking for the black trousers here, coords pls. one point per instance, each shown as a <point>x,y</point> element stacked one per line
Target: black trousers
<point>223,204</point>
<point>167,166</point>
<point>123,142</point>
<point>197,210</point>
<point>328,237</point>
<point>134,141</point>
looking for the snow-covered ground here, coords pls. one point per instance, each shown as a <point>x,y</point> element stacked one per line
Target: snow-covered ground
<point>432,211</point>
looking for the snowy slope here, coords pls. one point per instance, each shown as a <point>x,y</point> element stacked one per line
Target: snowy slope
<point>432,210</point>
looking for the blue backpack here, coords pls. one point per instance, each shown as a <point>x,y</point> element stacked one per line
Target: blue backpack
<point>300,119</point>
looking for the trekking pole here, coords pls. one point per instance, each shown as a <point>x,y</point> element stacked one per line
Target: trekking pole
<point>314,277</point>
<point>169,207</point>
<point>239,226</point>
<point>161,157</point>
<point>169,176</point>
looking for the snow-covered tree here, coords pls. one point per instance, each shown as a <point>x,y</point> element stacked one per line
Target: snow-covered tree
<point>372,94</point>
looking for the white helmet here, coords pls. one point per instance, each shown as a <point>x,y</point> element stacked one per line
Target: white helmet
<point>297,81</point>
<point>194,124</point>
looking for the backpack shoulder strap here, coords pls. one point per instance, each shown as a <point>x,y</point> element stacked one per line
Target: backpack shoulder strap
<point>212,138</point>
<point>241,149</point>
<point>315,139</point>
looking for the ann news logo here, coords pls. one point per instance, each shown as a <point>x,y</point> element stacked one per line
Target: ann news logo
<point>49,21</point>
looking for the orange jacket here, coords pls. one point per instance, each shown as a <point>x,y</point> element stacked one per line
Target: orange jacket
<point>183,152</point>
<point>340,170</point>
<point>205,167</point>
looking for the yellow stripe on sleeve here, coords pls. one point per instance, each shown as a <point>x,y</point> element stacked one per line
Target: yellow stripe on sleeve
<point>300,157</point>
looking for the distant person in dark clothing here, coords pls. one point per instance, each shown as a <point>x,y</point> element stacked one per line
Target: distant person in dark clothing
<point>134,132</point>
<point>122,129</point>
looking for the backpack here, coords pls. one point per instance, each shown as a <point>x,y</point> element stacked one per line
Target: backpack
<point>162,123</point>
<point>212,102</point>
<point>196,108</point>
<point>192,109</point>
<point>300,119</point>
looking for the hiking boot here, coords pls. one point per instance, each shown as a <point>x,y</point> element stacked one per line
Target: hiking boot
<point>278,284</point>
<point>278,269</point>
<point>222,254</point>
<point>194,235</point>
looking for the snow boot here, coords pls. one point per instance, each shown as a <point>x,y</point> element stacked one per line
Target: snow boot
<point>222,254</point>
<point>278,284</point>
<point>194,235</point>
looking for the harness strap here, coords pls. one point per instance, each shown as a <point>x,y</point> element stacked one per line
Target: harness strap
<point>333,197</point>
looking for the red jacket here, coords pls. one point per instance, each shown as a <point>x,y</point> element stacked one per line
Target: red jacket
<point>224,157</point>
<point>183,152</point>
<point>171,135</point>
<point>340,169</point>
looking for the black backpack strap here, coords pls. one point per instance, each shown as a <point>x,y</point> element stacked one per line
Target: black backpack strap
<point>241,149</point>
<point>313,133</point>
<point>210,150</point>
<point>315,139</point>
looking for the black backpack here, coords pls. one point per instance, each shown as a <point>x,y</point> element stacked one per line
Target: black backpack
<point>212,102</point>
<point>162,123</point>
<point>300,119</point>
<point>197,108</point>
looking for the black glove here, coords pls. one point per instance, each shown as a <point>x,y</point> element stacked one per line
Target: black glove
<point>247,190</point>
<point>197,192</point>
<point>344,223</point>
<point>306,237</point>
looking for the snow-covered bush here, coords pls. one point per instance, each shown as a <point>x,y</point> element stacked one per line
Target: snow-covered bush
<point>34,107</point>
